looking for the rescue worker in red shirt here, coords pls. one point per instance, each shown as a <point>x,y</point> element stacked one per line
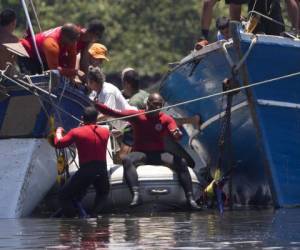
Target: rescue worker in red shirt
<point>91,142</point>
<point>148,147</point>
<point>58,50</point>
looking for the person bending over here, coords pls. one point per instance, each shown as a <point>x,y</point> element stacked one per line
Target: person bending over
<point>91,142</point>
<point>57,48</point>
<point>148,147</point>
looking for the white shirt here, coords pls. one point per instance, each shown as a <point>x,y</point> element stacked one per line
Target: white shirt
<point>112,97</point>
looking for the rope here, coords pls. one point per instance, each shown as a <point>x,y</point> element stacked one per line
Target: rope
<point>29,87</point>
<point>63,90</point>
<point>38,97</point>
<point>166,107</point>
<point>70,157</point>
<point>58,152</point>
<point>254,5</point>
<point>269,18</point>
<point>32,34</point>
<point>66,112</point>
<point>208,96</point>
<point>227,54</point>
<point>51,101</point>
<point>243,59</point>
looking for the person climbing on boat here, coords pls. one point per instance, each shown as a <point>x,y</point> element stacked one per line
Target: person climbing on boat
<point>106,93</point>
<point>8,21</point>
<point>91,143</point>
<point>148,147</point>
<point>57,48</point>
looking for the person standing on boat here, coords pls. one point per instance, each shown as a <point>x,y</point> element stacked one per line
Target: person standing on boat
<point>91,143</point>
<point>8,21</point>
<point>207,13</point>
<point>272,9</point>
<point>293,8</point>
<point>269,8</point>
<point>57,48</point>
<point>148,147</point>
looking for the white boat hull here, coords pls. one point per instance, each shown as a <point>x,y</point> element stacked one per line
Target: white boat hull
<point>27,172</point>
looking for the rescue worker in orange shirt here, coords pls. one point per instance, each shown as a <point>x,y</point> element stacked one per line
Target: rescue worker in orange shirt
<point>57,48</point>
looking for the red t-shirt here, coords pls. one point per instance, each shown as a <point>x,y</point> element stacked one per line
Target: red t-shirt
<point>148,130</point>
<point>39,39</point>
<point>90,140</point>
<point>53,53</point>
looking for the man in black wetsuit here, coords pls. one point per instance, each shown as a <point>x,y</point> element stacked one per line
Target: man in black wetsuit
<point>149,131</point>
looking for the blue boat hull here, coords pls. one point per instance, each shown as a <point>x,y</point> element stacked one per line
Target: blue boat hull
<point>276,112</point>
<point>264,144</point>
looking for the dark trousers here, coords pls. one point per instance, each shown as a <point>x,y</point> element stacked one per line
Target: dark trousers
<point>178,164</point>
<point>92,173</point>
<point>269,8</point>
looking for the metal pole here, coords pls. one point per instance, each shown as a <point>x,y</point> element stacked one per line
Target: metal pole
<point>32,33</point>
